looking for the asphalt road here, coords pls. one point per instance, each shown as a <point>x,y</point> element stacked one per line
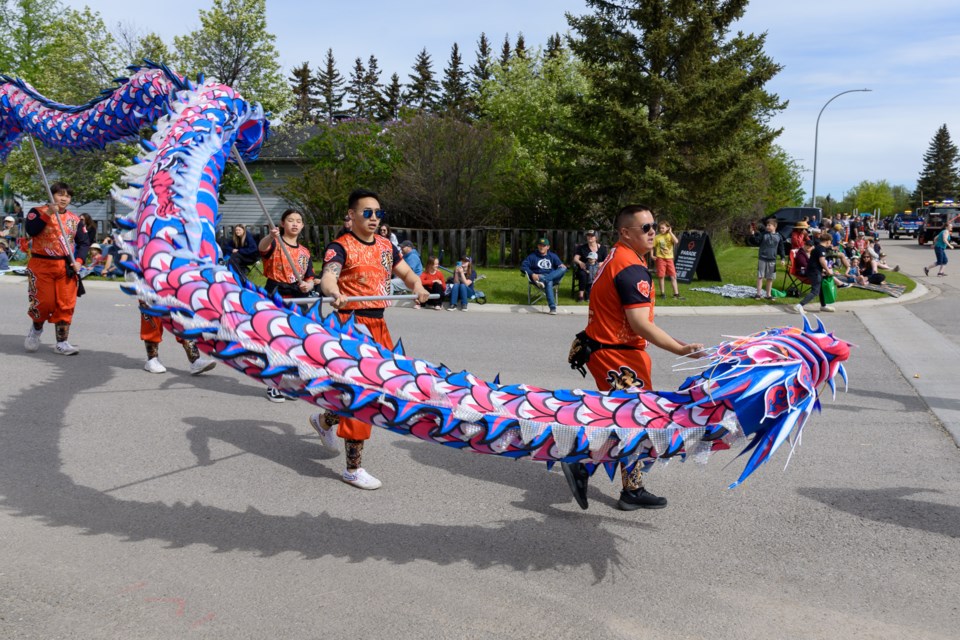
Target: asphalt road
<point>158,506</point>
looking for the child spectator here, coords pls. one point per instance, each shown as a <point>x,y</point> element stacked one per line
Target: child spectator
<point>663,251</point>
<point>940,245</point>
<point>771,247</point>
<point>434,282</point>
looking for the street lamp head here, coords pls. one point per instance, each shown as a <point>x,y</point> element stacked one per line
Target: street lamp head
<point>816,135</point>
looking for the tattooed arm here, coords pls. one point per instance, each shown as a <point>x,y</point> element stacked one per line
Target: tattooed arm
<point>329,284</point>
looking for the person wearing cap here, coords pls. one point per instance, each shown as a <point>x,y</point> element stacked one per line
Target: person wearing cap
<point>619,327</point>
<point>836,236</point>
<point>412,257</point>
<point>59,247</point>
<point>9,227</point>
<point>96,261</point>
<point>545,269</point>
<point>586,259</point>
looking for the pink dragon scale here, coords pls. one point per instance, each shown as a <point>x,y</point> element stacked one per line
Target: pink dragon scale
<point>763,387</point>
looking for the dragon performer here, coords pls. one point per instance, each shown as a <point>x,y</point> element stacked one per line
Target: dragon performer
<point>763,387</point>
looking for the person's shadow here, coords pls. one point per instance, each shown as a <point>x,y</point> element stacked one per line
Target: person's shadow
<point>891,506</point>
<point>274,441</point>
<point>30,436</point>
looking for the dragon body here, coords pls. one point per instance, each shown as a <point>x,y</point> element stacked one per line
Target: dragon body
<point>764,386</point>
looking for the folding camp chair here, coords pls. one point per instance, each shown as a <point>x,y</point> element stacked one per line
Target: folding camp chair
<point>536,295</point>
<point>794,284</point>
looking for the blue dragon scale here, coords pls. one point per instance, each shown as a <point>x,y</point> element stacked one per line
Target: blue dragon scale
<point>763,387</point>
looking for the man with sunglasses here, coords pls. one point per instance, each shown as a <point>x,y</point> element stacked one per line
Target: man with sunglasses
<point>360,263</point>
<point>619,326</point>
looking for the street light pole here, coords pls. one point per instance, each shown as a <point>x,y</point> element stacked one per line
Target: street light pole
<point>816,137</point>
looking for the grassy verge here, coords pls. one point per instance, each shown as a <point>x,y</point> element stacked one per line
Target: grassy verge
<point>738,265</point>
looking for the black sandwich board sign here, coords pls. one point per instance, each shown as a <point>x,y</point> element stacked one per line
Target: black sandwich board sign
<point>695,256</point>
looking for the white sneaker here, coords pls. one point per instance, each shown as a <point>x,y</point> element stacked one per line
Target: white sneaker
<point>361,479</point>
<point>328,437</point>
<point>32,341</point>
<point>799,309</point>
<point>66,349</point>
<point>201,365</point>
<point>274,395</point>
<point>825,308</point>
<point>153,365</point>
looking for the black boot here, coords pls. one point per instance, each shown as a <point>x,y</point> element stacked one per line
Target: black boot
<point>577,479</point>
<point>639,499</point>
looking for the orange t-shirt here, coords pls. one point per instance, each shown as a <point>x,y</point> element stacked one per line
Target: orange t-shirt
<point>276,267</point>
<point>367,267</point>
<point>622,282</point>
<point>48,242</point>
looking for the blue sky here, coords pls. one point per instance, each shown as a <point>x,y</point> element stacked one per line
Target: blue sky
<point>908,53</point>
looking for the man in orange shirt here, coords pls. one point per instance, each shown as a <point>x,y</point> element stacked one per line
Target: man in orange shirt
<point>53,283</point>
<point>360,263</point>
<point>620,323</point>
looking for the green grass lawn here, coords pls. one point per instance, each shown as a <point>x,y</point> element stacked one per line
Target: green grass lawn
<point>738,265</point>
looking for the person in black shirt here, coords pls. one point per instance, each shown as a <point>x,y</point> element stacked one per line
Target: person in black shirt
<point>817,269</point>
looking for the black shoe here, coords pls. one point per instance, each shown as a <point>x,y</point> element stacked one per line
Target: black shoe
<point>577,478</point>
<point>640,499</point>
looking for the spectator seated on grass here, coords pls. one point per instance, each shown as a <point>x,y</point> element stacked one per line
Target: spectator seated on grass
<point>412,257</point>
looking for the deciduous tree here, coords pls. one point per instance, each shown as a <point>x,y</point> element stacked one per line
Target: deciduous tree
<point>234,45</point>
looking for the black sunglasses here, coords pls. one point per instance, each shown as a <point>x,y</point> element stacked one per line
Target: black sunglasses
<point>367,213</point>
<point>646,228</point>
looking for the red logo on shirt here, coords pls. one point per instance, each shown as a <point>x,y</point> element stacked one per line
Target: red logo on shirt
<point>644,288</point>
<point>328,256</point>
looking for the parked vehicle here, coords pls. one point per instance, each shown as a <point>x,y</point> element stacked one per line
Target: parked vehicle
<point>935,217</point>
<point>788,217</point>
<point>904,224</point>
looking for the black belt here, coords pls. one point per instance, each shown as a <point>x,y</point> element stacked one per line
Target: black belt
<point>363,313</point>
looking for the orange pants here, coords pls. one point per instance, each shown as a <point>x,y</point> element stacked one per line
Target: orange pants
<point>350,429</point>
<point>151,329</point>
<point>620,369</point>
<point>52,295</point>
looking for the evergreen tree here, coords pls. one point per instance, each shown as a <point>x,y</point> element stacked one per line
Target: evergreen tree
<point>520,51</point>
<point>329,84</point>
<point>554,46</point>
<point>939,179</point>
<point>357,90</point>
<point>304,99</point>
<point>373,87</point>
<point>480,71</point>
<point>678,114</point>
<point>391,100</point>
<point>456,92</point>
<point>422,92</point>
<point>505,51</point>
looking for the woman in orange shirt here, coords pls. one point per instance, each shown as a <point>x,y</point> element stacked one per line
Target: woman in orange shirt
<point>434,282</point>
<point>281,277</point>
